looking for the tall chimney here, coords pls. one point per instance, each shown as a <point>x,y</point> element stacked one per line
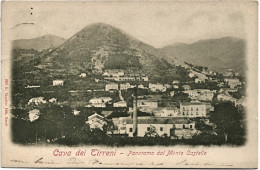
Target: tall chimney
<point>135,114</point>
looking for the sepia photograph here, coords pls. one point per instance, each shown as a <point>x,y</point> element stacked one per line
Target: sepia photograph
<point>111,76</point>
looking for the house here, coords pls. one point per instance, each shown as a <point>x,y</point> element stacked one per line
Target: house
<point>114,73</point>
<point>111,86</point>
<point>186,87</point>
<point>232,82</point>
<point>157,87</point>
<point>96,100</point>
<point>52,100</point>
<point>167,86</point>
<point>83,75</point>
<point>125,86</point>
<point>100,100</point>
<point>34,115</point>
<point>76,112</point>
<point>199,80</point>
<point>176,82</point>
<point>175,86</point>
<point>166,112</point>
<point>172,93</point>
<point>145,78</point>
<point>58,82</point>
<point>191,75</point>
<point>229,73</point>
<point>176,127</point>
<point>120,104</point>
<point>227,90</point>
<point>96,121</point>
<point>37,100</point>
<point>99,105</point>
<point>147,103</point>
<point>192,109</point>
<point>226,97</point>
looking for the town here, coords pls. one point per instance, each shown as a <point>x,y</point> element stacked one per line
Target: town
<point>125,103</point>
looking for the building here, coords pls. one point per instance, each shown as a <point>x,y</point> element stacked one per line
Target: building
<point>52,100</point>
<point>34,115</point>
<point>226,98</point>
<point>227,90</point>
<point>167,86</point>
<point>37,101</point>
<point>125,86</point>
<point>83,75</point>
<point>76,112</point>
<point>120,104</point>
<point>113,73</point>
<point>199,80</point>
<point>176,82</point>
<point>100,100</point>
<point>96,121</point>
<point>232,82</point>
<point>186,87</point>
<point>175,127</point>
<point>191,75</point>
<point>175,86</point>
<point>58,82</point>
<point>172,93</point>
<point>157,87</point>
<point>192,109</point>
<point>147,103</point>
<point>166,112</point>
<point>229,73</point>
<point>111,86</point>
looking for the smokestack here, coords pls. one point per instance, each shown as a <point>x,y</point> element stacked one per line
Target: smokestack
<point>135,114</point>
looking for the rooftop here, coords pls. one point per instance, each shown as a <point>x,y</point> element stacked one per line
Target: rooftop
<point>159,120</point>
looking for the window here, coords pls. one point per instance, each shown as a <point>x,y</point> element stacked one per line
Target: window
<point>183,126</point>
<point>148,128</point>
<point>161,128</point>
<point>130,129</point>
<point>191,126</point>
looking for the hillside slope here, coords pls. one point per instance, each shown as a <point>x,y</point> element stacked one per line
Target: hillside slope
<point>216,54</point>
<point>39,43</point>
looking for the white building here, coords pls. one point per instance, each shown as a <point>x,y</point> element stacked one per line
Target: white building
<point>157,87</point>
<point>52,100</point>
<point>113,73</point>
<point>176,82</point>
<point>166,112</point>
<point>120,104</point>
<point>83,75</point>
<point>37,100</point>
<point>34,115</point>
<point>177,127</point>
<point>58,82</point>
<point>125,86</point>
<point>226,97</point>
<point>147,103</point>
<point>192,109</point>
<point>96,121</point>
<point>111,86</point>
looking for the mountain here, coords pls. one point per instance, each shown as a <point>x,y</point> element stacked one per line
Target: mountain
<point>39,43</point>
<point>101,46</point>
<point>216,54</point>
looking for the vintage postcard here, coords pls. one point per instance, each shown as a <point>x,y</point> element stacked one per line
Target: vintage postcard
<point>129,84</point>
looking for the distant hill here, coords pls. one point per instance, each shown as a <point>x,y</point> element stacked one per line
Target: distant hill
<point>39,43</point>
<point>216,54</point>
<point>101,46</point>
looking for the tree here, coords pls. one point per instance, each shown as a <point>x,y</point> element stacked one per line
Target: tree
<point>230,123</point>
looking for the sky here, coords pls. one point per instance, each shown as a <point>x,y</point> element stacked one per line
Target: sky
<point>155,23</point>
